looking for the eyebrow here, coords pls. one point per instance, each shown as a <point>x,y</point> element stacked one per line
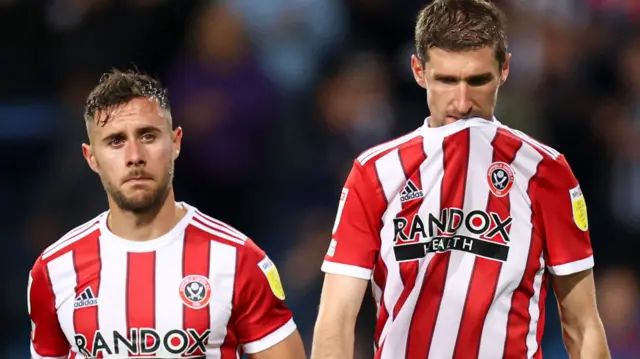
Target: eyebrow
<point>473,78</point>
<point>139,131</point>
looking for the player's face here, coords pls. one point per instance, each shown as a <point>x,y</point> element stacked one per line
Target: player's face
<point>134,154</point>
<point>460,85</point>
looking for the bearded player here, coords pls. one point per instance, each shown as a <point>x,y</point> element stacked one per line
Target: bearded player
<point>461,224</point>
<point>151,276</point>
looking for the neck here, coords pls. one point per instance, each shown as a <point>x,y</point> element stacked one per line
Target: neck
<point>146,226</point>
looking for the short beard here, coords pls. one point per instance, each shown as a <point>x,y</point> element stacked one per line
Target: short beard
<point>147,205</point>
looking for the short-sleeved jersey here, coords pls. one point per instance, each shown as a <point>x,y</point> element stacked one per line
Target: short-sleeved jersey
<point>202,289</point>
<point>458,227</point>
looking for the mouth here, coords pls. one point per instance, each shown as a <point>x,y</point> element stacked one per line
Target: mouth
<point>137,180</point>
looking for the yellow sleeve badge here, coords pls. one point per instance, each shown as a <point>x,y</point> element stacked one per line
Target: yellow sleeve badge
<point>579,207</point>
<point>273,277</point>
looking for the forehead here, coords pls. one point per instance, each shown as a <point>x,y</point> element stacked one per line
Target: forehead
<point>461,63</point>
<point>135,113</point>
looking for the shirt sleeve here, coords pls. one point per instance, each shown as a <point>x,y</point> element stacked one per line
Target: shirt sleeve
<point>567,243</point>
<point>261,318</point>
<point>47,339</point>
<point>355,241</point>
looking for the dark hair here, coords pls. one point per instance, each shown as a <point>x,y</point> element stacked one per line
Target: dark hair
<point>461,25</point>
<point>117,88</point>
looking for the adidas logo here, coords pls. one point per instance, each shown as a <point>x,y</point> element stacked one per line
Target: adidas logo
<point>86,299</point>
<point>410,192</point>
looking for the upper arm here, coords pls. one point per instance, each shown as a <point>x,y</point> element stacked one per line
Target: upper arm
<point>576,298</point>
<point>47,339</point>
<point>341,300</point>
<point>289,348</point>
<point>355,241</point>
<point>561,204</point>
<point>260,318</point>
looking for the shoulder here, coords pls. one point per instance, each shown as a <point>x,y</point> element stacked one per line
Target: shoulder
<point>219,232</point>
<point>70,240</point>
<point>532,145</point>
<point>549,166</point>
<point>369,156</point>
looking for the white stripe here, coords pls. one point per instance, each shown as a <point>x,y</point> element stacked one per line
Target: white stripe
<point>222,274</point>
<point>572,267</point>
<point>66,241</point>
<point>396,331</point>
<point>112,293</point>
<point>495,326</point>
<point>272,339</point>
<point>217,224</point>
<point>460,269</point>
<point>374,151</point>
<point>215,233</point>
<point>391,174</point>
<point>168,277</point>
<point>63,282</point>
<point>534,311</point>
<point>346,269</point>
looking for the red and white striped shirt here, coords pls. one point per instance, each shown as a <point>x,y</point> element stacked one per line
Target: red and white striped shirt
<point>203,290</point>
<point>458,227</point>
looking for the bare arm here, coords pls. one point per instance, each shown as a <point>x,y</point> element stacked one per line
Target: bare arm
<point>339,307</point>
<point>582,329</point>
<point>290,348</point>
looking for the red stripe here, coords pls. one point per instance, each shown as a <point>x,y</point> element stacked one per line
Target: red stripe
<point>411,155</point>
<point>87,264</point>
<point>141,291</point>
<point>486,272</point>
<point>196,256</point>
<point>519,318</point>
<point>423,322</point>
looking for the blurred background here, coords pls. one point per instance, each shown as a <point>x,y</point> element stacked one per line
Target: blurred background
<point>277,97</point>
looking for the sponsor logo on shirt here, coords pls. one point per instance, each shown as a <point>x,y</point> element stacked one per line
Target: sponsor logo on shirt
<point>484,234</point>
<point>143,341</point>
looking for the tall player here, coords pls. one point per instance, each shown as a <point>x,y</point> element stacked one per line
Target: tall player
<point>460,224</point>
<point>151,276</point>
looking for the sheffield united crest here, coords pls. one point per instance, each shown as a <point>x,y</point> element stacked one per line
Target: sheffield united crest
<point>500,178</point>
<point>195,291</point>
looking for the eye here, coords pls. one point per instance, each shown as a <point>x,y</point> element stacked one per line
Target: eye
<point>447,80</point>
<point>478,81</point>
<point>148,137</point>
<point>115,142</point>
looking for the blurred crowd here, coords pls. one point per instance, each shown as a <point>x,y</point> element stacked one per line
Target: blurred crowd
<point>276,99</point>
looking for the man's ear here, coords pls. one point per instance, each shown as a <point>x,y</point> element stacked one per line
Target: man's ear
<point>177,141</point>
<point>89,156</point>
<point>417,67</point>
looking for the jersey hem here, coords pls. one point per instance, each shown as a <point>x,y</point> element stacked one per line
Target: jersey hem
<point>346,269</point>
<point>572,267</point>
<point>272,339</point>
<point>35,355</point>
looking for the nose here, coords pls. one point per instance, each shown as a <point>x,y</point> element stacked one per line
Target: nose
<point>134,154</point>
<point>463,102</point>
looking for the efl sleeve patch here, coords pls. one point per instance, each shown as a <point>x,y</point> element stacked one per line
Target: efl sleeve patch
<point>579,207</point>
<point>273,277</point>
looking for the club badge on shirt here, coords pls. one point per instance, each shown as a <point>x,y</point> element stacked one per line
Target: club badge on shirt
<point>273,277</point>
<point>195,291</point>
<point>500,177</point>
<point>579,208</point>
